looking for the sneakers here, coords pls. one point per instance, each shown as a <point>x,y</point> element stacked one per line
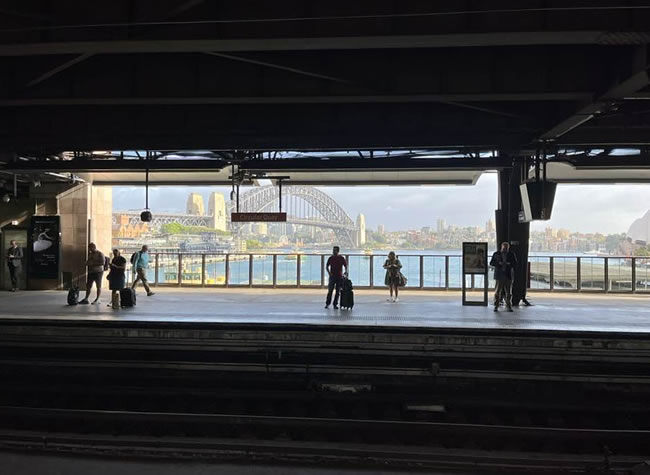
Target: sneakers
<point>510,309</point>
<point>83,302</point>
<point>396,299</point>
<point>150,294</point>
<point>389,299</point>
<point>327,306</point>
<point>496,309</point>
<point>336,307</point>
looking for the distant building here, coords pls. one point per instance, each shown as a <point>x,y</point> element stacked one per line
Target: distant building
<point>381,229</point>
<point>217,209</point>
<point>441,225</point>
<point>260,229</point>
<point>195,205</point>
<point>489,226</point>
<point>426,229</point>
<point>361,230</point>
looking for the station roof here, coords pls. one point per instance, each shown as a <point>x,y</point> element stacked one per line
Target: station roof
<point>174,76</point>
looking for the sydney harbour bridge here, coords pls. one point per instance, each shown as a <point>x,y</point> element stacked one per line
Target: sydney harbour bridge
<point>304,205</point>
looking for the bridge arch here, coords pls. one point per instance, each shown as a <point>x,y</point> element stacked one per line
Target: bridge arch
<point>333,216</point>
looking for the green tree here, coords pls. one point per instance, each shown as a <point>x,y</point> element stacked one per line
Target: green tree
<point>254,244</point>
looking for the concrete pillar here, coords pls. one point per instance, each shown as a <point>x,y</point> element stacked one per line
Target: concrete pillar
<point>508,227</point>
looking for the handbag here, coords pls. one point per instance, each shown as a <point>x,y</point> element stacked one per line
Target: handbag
<point>401,280</point>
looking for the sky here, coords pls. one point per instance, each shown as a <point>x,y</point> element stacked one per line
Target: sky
<point>584,208</point>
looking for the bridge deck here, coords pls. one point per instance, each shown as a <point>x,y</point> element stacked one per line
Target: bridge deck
<point>602,313</point>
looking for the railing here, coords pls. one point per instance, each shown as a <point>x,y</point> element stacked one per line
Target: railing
<point>424,271</point>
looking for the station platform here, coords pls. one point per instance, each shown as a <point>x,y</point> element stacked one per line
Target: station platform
<point>278,307</point>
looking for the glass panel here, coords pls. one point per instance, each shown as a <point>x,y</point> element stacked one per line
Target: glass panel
<point>540,274</point>
<point>620,274</point>
<point>167,268</point>
<point>565,275</point>
<point>359,271</point>
<point>238,267</point>
<point>215,269</point>
<point>434,271</point>
<point>592,273</point>
<point>455,272</point>
<point>310,271</point>
<point>643,274</point>
<point>287,272</point>
<point>262,270</point>
<point>411,269</point>
<point>378,271</point>
<point>191,269</point>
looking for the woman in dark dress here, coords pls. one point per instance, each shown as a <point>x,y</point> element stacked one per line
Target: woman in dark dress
<point>392,279</point>
<point>117,277</point>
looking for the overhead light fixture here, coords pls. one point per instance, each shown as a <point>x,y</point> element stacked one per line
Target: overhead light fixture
<point>6,198</point>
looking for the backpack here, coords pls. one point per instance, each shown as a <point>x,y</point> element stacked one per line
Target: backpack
<point>107,262</point>
<point>73,295</point>
<point>134,257</point>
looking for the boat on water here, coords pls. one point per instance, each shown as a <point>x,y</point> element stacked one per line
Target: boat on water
<point>368,252</point>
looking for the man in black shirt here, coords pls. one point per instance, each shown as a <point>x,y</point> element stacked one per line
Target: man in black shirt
<point>335,265</point>
<point>14,262</point>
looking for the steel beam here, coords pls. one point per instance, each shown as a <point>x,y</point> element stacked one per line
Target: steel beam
<point>452,99</point>
<point>464,40</point>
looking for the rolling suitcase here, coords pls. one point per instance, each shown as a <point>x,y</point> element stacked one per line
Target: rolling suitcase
<point>347,294</point>
<point>127,297</point>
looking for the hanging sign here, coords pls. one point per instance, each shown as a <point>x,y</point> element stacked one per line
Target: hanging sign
<point>44,244</point>
<point>258,217</point>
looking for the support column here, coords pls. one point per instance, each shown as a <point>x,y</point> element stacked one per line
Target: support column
<point>509,228</point>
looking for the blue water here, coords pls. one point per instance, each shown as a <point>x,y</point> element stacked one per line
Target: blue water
<point>433,274</point>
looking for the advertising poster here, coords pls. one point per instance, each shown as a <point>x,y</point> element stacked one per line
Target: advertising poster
<point>474,257</point>
<point>44,247</point>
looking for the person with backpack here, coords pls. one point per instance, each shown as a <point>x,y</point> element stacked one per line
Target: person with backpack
<point>394,278</point>
<point>140,262</point>
<point>95,263</point>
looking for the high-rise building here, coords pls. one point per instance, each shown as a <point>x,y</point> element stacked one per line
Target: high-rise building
<point>195,204</point>
<point>441,225</point>
<point>381,229</point>
<point>217,209</point>
<point>489,226</point>
<point>361,230</point>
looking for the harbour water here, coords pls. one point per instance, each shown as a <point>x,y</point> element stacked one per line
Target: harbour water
<point>439,269</point>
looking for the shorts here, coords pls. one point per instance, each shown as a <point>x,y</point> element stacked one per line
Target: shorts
<point>95,277</point>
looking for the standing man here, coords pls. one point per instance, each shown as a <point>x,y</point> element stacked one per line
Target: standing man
<point>95,264</point>
<point>504,262</point>
<point>140,264</point>
<point>334,267</point>
<point>14,261</point>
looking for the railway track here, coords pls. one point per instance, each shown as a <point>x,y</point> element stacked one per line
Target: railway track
<point>447,400</point>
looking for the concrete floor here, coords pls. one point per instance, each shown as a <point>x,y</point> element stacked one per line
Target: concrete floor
<point>579,312</point>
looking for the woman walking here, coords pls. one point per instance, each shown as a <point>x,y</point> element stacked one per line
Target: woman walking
<point>393,275</point>
<point>117,278</point>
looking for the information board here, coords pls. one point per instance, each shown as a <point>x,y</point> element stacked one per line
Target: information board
<point>258,217</point>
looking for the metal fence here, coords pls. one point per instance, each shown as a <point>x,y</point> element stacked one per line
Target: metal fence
<point>424,271</point>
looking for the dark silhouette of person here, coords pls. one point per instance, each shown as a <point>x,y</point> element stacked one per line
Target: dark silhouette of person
<point>504,262</point>
<point>335,265</point>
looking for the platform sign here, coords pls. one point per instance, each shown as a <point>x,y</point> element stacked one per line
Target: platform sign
<point>258,217</point>
<point>44,245</point>
<point>475,263</point>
